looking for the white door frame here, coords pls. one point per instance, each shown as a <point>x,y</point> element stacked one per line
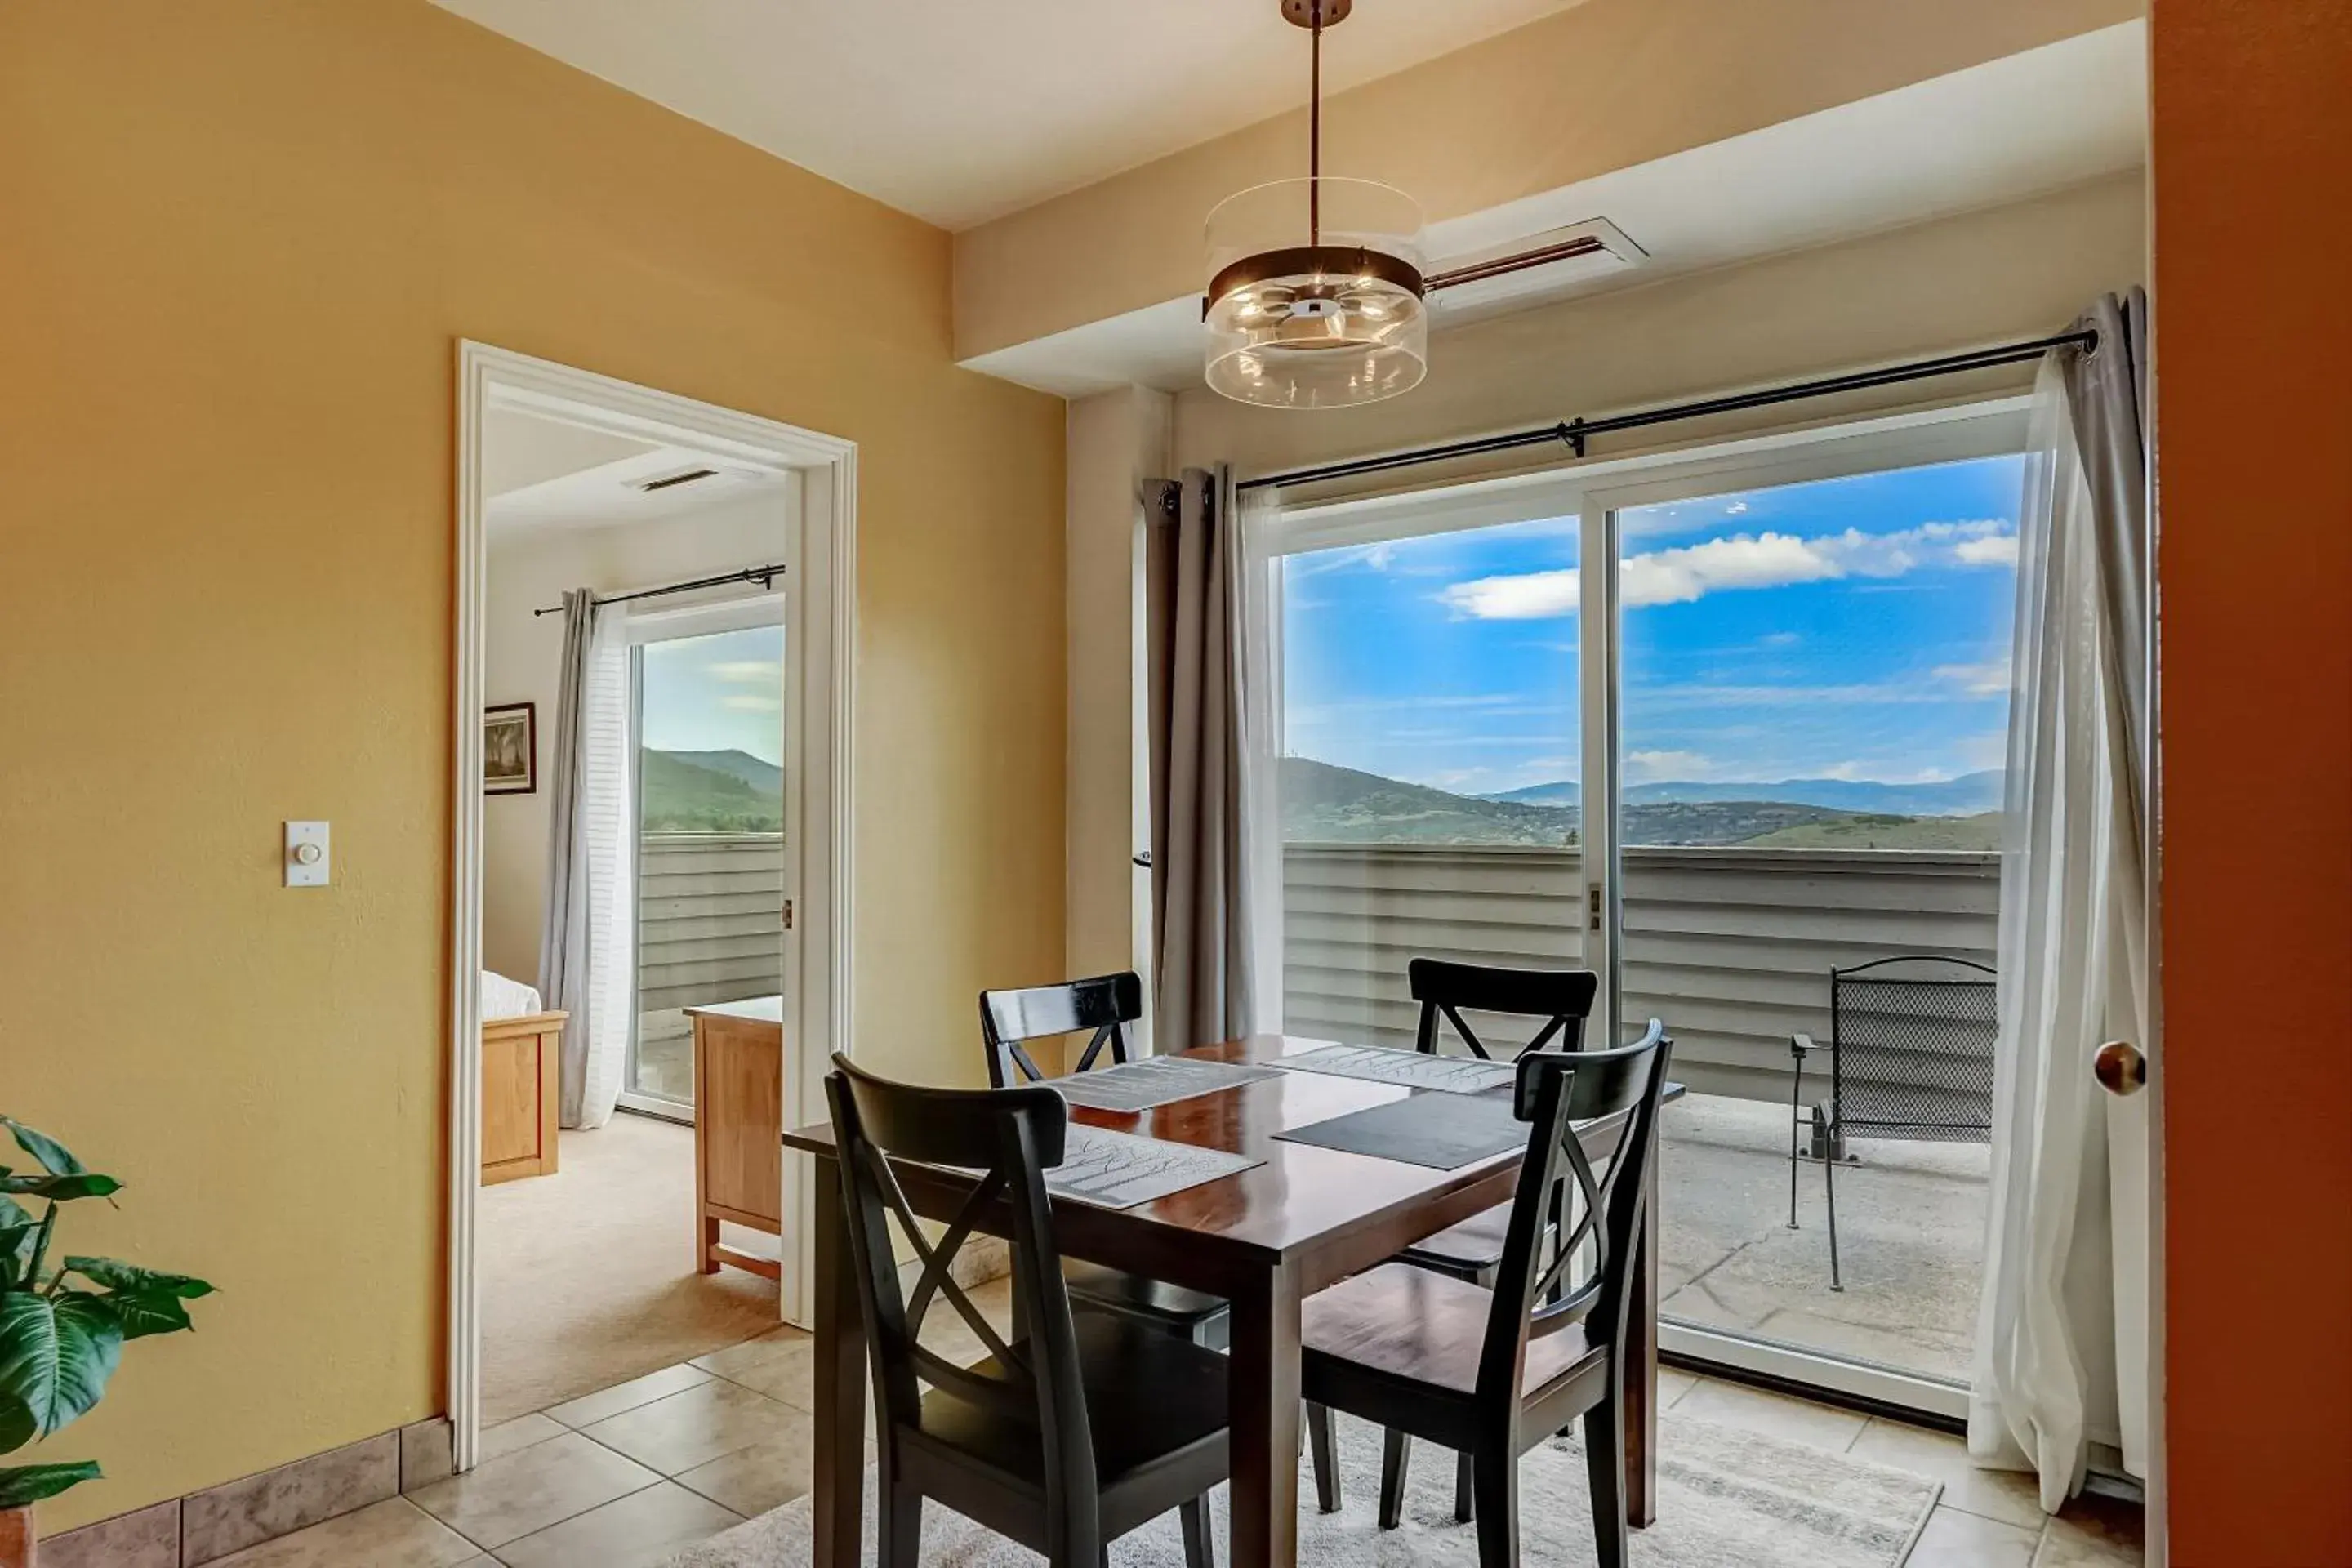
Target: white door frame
<point>822,639</point>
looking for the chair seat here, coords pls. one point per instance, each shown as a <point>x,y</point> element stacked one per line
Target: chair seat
<point>1469,1248</point>
<point>1154,1403</point>
<point>1415,1326</point>
<point>1134,1296</point>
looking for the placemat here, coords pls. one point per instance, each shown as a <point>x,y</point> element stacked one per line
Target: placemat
<point>1443,1132</point>
<point>1118,1170</point>
<point>1154,1081</point>
<point>1405,1069</point>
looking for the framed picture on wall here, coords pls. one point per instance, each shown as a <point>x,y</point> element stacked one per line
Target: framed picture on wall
<point>511,749</point>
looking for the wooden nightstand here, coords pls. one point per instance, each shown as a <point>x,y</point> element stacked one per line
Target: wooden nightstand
<point>739,1124</point>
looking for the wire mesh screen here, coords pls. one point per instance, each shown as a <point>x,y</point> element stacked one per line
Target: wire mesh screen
<point>1912,1050</point>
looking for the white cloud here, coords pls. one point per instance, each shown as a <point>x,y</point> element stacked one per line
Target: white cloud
<point>1768,560</point>
<point>1780,639</point>
<point>1988,679</point>
<point>1848,770</point>
<point>1642,767</point>
<point>744,702</point>
<point>745,672</point>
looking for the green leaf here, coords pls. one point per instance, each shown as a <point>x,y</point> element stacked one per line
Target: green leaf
<point>18,1426</point>
<point>129,1277</point>
<point>56,1353</point>
<point>11,1211</point>
<point>143,1314</point>
<point>14,1253</point>
<point>54,1156</point>
<point>28,1484</point>
<point>63,1189</point>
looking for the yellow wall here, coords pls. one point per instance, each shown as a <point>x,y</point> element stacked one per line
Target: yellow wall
<point>237,245</point>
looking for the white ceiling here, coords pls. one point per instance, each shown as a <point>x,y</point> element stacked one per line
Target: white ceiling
<point>542,475</point>
<point>2011,128</point>
<point>958,110</point>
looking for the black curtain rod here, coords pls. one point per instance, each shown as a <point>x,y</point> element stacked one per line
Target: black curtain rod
<point>764,576</point>
<point>1574,433</point>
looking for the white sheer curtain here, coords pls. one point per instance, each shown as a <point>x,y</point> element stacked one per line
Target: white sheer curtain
<point>587,956</point>
<point>2072,961</point>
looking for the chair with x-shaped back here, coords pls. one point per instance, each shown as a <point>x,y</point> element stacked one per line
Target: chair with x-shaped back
<point>1065,1436</point>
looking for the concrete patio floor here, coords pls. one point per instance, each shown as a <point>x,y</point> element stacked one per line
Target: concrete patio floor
<point>1911,1224</point>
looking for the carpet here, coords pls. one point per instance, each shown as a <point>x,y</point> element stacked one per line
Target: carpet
<point>587,1276</point>
<point>1726,1499</point>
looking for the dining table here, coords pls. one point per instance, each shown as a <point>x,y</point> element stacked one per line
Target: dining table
<point>1265,1238</point>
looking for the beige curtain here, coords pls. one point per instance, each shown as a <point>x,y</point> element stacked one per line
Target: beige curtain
<point>1204,988</point>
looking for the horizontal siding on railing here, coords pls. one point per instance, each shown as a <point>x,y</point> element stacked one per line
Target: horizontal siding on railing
<point>1732,947</point>
<point>710,924</point>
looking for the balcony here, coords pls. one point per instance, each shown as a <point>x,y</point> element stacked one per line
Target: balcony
<point>1732,947</point>
<point>710,928</point>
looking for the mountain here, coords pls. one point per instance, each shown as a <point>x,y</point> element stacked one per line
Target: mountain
<point>678,794</point>
<point>765,777</point>
<point>1331,805</point>
<point>1871,831</point>
<point>1970,795</point>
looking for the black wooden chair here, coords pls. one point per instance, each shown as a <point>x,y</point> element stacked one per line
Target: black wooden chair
<point>1107,1004</point>
<point>1493,1372</point>
<point>1069,1437</point>
<point>1911,1058</point>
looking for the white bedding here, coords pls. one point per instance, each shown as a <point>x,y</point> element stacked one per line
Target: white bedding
<point>504,998</point>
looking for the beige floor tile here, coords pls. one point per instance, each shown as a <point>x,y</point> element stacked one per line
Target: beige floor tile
<point>504,1438</point>
<point>1957,1539</point>
<point>2009,1496</point>
<point>782,1365</point>
<point>607,1403</point>
<point>767,1475</point>
<point>390,1535</point>
<point>697,1425</point>
<point>1774,1414</point>
<point>642,1528</point>
<point>531,1489</point>
<point>2094,1533</point>
<point>1673,1384</point>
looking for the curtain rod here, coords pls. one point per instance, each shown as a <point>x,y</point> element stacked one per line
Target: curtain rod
<point>1574,433</point>
<point>764,576</point>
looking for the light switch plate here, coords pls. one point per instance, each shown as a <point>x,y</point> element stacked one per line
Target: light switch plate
<point>305,869</point>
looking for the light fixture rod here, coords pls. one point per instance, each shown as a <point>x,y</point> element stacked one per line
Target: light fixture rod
<point>1315,127</point>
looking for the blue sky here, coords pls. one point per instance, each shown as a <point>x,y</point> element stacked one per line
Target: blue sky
<point>1848,628</point>
<point>716,693</point>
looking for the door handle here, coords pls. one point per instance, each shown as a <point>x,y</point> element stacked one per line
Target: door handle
<point>2119,1067</point>
<point>1143,859</point>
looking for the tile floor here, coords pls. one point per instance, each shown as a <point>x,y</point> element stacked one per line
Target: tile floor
<point>625,1476</point>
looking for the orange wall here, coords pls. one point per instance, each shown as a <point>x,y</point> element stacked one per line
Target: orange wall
<point>2254,363</point>
<point>238,242</point>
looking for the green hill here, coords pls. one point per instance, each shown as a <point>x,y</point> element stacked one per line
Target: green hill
<point>1878,832</point>
<point>677,796</point>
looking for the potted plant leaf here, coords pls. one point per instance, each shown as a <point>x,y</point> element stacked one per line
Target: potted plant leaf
<point>62,1325</point>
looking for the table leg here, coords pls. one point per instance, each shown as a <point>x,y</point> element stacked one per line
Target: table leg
<point>1641,1367</point>
<point>840,1459</point>
<point>1264,1377</point>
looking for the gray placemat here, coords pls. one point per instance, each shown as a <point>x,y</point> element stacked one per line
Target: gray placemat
<point>1405,1069</point>
<point>1118,1170</point>
<point>1154,1081</point>
<point>1443,1132</point>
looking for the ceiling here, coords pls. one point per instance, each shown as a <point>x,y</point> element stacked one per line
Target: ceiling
<point>542,474</point>
<point>958,112</point>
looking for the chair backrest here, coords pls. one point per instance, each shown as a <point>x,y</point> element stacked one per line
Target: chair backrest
<point>1105,1003</point>
<point>1556,1274</point>
<point>1561,997</point>
<point>1011,1137</point>
<point>1911,1049</point>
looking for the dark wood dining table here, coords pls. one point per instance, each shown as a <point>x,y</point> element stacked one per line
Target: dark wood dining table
<point>1265,1239</point>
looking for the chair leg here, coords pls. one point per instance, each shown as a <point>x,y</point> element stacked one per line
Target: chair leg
<point>1199,1549</point>
<point>898,1532</point>
<point>1498,1471</point>
<point>1326,1455</point>
<point>1465,1485</point>
<point>1396,1455</point>
<point>1604,1463</point>
<point>1828,1175</point>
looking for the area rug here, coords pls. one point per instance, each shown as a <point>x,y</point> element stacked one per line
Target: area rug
<point>1726,1499</point>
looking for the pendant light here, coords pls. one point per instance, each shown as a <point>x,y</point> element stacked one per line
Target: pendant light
<point>1317,298</point>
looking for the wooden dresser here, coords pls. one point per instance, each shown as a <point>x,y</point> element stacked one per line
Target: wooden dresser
<point>521,1061</point>
<point>739,1124</point>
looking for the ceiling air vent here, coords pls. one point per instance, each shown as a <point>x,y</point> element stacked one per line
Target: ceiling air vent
<point>671,481</point>
<point>1528,270</point>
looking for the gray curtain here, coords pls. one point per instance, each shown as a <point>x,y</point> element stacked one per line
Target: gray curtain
<point>1203,989</point>
<point>2106,393</point>
<point>563,942</point>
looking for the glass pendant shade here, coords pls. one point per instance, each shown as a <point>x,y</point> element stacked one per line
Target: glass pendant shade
<point>1315,296</point>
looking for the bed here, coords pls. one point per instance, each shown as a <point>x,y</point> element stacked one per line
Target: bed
<point>522,1047</point>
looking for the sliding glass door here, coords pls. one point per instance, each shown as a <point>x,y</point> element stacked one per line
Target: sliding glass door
<point>1715,725</point>
<point>709,722</point>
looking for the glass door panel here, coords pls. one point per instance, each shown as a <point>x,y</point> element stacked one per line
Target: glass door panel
<point>1428,771</point>
<point>711,860</point>
<point>1812,710</point>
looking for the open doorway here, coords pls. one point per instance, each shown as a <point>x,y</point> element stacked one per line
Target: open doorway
<point>650,872</point>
